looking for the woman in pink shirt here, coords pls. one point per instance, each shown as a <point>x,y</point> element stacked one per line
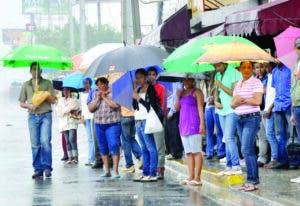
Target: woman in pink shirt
<point>247,97</point>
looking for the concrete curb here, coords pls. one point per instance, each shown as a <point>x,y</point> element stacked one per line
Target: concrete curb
<point>222,189</point>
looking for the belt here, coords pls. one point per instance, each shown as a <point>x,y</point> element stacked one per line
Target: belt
<point>40,113</point>
<point>242,116</point>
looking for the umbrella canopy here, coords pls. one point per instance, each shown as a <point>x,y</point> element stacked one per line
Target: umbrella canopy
<point>122,88</point>
<point>47,57</point>
<point>183,58</point>
<point>125,59</point>
<point>178,77</point>
<point>90,55</point>
<point>234,52</point>
<point>284,43</point>
<point>76,61</point>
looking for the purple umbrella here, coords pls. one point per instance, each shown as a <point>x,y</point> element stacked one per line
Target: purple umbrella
<point>284,43</point>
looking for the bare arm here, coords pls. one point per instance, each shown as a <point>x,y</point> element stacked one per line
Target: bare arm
<point>225,89</point>
<point>256,100</point>
<point>110,103</point>
<point>200,102</point>
<point>52,99</point>
<point>177,104</point>
<point>92,106</point>
<point>27,106</point>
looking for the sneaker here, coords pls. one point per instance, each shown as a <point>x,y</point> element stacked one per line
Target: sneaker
<point>242,162</point>
<point>149,179</point>
<point>209,157</point>
<point>139,179</point>
<point>223,160</point>
<point>48,173</point>
<point>223,172</point>
<point>221,157</point>
<point>64,158</point>
<point>160,173</point>
<point>37,175</point>
<point>89,164</point>
<point>140,164</point>
<point>169,156</point>
<point>234,172</point>
<point>129,169</point>
<point>97,165</point>
<point>273,164</point>
<point>260,164</point>
<point>296,180</point>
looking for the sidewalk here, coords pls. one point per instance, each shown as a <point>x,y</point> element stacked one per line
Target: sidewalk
<point>275,187</point>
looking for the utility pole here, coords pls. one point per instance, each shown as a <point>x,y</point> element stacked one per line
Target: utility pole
<point>99,13</point>
<point>82,26</point>
<point>124,20</point>
<point>71,24</point>
<point>160,8</point>
<point>136,20</point>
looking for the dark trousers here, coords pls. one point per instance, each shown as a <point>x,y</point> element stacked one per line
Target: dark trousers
<point>172,136</point>
<point>98,159</point>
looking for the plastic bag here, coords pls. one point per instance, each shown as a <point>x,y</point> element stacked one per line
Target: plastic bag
<point>39,97</point>
<point>153,124</point>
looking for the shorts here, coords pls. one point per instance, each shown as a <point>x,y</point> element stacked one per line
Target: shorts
<point>192,143</point>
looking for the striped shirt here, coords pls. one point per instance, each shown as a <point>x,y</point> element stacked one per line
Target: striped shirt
<point>245,90</point>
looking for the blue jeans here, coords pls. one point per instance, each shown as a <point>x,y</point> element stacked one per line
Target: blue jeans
<point>228,124</point>
<point>283,130</point>
<point>40,128</point>
<point>108,136</point>
<point>150,155</point>
<point>247,130</point>
<point>212,121</point>
<point>88,128</point>
<point>296,114</point>
<point>129,142</point>
<point>270,132</point>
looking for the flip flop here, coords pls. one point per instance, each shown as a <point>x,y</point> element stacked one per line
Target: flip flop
<point>105,175</point>
<point>250,188</point>
<point>184,182</point>
<point>195,183</point>
<point>116,176</point>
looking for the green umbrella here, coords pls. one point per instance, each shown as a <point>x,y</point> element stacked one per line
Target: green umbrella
<point>184,57</point>
<point>47,57</point>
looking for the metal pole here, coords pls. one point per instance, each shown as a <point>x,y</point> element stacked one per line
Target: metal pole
<point>82,27</point>
<point>124,20</point>
<point>99,13</point>
<point>71,23</point>
<point>160,7</point>
<point>136,20</point>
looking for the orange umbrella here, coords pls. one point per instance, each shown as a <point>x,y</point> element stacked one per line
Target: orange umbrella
<point>76,62</point>
<point>234,52</point>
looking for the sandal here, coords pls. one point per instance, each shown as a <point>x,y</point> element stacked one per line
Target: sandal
<point>184,182</point>
<point>105,175</point>
<point>195,183</point>
<point>250,188</point>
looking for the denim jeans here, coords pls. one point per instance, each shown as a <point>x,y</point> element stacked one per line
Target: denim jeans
<point>88,128</point>
<point>270,132</point>
<point>150,155</point>
<point>228,124</point>
<point>212,121</point>
<point>262,143</point>
<point>40,128</point>
<point>71,142</point>
<point>247,130</point>
<point>129,143</point>
<point>283,130</point>
<point>159,139</point>
<point>108,136</point>
<point>296,114</point>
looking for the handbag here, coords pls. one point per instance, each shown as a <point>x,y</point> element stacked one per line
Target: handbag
<point>39,97</point>
<point>293,148</point>
<point>153,124</point>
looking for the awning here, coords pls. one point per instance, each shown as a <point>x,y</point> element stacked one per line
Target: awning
<point>266,19</point>
<point>219,30</point>
<point>172,32</point>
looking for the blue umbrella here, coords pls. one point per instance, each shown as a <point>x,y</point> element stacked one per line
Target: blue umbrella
<point>122,89</point>
<point>73,81</point>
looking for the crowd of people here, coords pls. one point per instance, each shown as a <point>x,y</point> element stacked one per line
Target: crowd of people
<point>237,107</point>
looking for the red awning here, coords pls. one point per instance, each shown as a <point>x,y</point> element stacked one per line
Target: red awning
<point>266,19</point>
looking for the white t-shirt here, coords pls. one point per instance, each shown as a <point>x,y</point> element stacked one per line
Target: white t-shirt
<point>142,112</point>
<point>85,110</point>
<point>270,93</point>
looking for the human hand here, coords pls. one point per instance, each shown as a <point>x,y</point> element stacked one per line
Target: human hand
<point>31,107</point>
<point>218,83</point>
<point>202,129</point>
<point>267,115</point>
<point>292,120</point>
<point>218,105</point>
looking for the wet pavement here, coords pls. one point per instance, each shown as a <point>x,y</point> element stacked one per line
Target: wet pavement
<point>69,184</point>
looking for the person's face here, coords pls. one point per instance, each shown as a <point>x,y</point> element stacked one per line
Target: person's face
<point>188,83</point>
<point>260,69</point>
<point>101,86</point>
<point>246,70</point>
<point>140,79</point>
<point>152,76</point>
<point>268,68</point>
<point>297,49</point>
<point>86,85</point>
<point>35,72</point>
<point>66,92</point>
<point>220,67</point>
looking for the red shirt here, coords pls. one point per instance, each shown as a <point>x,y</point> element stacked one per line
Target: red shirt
<point>160,91</point>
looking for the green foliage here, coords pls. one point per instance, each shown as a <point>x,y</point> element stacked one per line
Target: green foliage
<point>60,37</point>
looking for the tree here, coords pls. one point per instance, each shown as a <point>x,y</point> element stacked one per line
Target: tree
<point>60,38</point>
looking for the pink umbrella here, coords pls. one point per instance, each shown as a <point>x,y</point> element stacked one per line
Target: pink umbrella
<point>284,43</point>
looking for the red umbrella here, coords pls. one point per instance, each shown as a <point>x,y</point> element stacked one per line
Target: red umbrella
<point>76,62</point>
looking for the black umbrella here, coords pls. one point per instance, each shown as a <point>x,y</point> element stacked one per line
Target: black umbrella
<point>178,77</point>
<point>125,59</point>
